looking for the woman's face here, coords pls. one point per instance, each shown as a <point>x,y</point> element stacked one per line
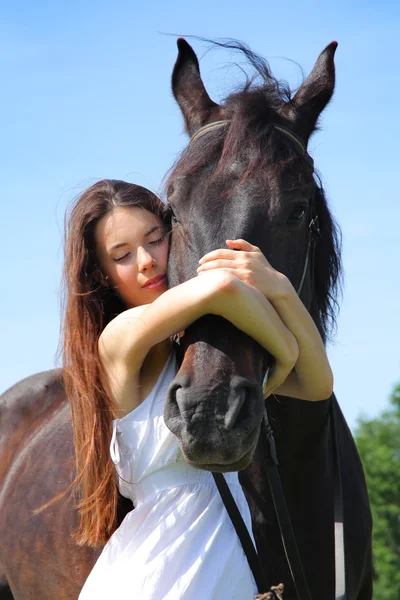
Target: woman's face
<point>132,250</point>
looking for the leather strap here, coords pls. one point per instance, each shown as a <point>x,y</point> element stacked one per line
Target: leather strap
<point>282,513</point>
<point>340,558</point>
<point>242,532</point>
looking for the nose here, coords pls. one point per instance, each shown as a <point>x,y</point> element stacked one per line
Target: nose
<point>217,427</point>
<point>145,261</point>
<point>238,407</point>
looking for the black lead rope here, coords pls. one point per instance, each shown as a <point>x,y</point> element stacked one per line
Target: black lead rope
<point>242,532</point>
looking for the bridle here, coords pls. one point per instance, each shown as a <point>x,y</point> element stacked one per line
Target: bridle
<point>288,540</point>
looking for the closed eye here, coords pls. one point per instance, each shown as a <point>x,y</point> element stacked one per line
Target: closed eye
<point>158,241</point>
<point>122,257</point>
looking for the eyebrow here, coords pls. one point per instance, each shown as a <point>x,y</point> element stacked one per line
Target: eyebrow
<point>153,229</point>
<point>118,246</point>
<point>121,244</point>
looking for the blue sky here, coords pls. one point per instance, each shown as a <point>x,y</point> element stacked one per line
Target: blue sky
<point>86,95</point>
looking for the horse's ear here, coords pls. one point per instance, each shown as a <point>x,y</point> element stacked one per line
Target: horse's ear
<point>313,95</point>
<point>187,86</point>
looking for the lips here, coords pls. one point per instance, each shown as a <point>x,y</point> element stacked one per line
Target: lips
<point>156,281</point>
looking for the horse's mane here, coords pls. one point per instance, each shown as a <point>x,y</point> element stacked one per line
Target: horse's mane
<point>251,111</point>
<point>328,272</point>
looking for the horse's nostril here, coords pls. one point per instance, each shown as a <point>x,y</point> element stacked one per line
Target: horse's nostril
<point>245,408</point>
<point>237,410</point>
<point>175,394</point>
<point>241,402</point>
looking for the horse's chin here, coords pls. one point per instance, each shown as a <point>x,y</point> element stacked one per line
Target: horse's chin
<point>222,467</point>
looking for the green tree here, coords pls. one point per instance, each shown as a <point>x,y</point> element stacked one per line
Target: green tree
<point>378,442</point>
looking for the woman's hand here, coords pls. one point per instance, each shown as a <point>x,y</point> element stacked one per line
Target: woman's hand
<point>249,264</point>
<point>312,378</point>
<point>278,375</point>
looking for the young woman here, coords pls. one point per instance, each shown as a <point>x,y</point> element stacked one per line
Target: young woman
<point>178,542</point>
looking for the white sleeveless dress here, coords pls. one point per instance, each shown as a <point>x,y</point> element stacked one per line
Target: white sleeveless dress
<point>178,543</point>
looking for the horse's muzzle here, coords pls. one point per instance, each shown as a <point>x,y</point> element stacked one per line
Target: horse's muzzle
<point>217,426</point>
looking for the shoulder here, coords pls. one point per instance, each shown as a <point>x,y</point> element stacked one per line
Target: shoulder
<point>129,315</point>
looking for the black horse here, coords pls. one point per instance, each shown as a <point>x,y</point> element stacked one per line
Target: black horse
<point>248,176</point>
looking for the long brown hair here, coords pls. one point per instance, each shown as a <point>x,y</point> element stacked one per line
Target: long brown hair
<point>89,306</point>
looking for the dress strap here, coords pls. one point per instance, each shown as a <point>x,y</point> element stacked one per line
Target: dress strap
<point>114,448</point>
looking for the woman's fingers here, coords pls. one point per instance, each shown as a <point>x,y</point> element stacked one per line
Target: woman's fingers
<point>249,265</point>
<point>216,264</point>
<point>278,376</point>
<point>203,270</point>
<point>232,253</point>
<point>242,245</point>
<point>220,253</point>
<point>252,253</point>
<point>244,274</point>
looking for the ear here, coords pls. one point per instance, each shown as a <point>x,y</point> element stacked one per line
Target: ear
<point>313,95</point>
<point>187,86</point>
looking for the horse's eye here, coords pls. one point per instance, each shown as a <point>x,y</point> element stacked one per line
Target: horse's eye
<point>297,214</point>
<point>170,215</point>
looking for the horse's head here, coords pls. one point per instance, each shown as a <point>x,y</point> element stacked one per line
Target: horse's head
<point>245,174</point>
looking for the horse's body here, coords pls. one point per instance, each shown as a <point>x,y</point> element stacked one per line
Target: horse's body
<point>37,553</point>
<point>211,203</point>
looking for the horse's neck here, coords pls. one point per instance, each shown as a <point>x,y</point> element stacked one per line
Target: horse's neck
<point>300,426</point>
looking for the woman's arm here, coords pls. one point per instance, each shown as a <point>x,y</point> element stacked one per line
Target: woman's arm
<point>133,332</point>
<point>129,337</point>
<point>311,378</point>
